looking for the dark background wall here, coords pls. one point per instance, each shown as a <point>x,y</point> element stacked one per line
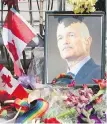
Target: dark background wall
<point>101,5</point>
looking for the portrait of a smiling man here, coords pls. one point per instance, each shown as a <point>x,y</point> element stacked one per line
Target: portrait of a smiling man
<point>74,48</point>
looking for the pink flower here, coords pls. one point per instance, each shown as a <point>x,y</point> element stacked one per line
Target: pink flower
<point>83,99</point>
<point>72,84</point>
<point>86,92</point>
<point>79,102</point>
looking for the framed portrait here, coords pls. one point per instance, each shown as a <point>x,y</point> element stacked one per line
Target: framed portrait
<point>75,42</point>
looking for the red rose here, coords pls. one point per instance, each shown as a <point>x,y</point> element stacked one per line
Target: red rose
<point>51,120</point>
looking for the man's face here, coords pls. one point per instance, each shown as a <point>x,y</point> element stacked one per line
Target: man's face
<point>70,42</point>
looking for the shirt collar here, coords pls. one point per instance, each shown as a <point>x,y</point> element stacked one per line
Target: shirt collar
<point>78,66</point>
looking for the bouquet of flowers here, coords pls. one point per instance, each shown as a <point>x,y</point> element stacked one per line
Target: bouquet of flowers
<point>80,6</point>
<point>56,103</point>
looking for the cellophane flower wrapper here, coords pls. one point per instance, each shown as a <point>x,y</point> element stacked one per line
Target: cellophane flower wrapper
<point>57,105</point>
<point>57,96</point>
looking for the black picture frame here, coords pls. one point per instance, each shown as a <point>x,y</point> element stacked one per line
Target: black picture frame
<point>51,64</point>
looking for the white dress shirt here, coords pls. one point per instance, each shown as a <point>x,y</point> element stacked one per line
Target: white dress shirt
<point>78,66</point>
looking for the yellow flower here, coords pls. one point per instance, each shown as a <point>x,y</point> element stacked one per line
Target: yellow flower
<point>92,9</point>
<point>76,9</point>
<point>82,10</point>
<point>80,6</point>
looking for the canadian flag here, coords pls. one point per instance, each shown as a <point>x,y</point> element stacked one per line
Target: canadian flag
<point>10,84</point>
<point>16,34</point>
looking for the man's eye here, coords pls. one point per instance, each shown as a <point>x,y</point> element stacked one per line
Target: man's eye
<point>60,38</point>
<point>71,34</point>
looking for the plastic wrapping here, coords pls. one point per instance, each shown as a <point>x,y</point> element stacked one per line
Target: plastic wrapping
<point>36,67</point>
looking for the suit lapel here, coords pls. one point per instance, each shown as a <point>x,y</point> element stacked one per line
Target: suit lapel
<point>85,70</point>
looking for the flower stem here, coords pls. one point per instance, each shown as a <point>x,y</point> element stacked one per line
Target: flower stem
<point>100,92</point>
<point>66,113</point>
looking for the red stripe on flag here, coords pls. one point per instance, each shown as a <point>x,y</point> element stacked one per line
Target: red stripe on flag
<point>1,67</point>
<point>18,27</point>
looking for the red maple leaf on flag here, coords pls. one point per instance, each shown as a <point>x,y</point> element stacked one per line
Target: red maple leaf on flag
<point>12,48</point>
<point>6,79</point>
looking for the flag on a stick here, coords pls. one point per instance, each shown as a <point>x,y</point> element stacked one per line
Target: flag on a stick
<point>17,33</point>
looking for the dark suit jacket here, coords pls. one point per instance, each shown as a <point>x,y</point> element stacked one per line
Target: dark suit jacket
<point>89,71</point>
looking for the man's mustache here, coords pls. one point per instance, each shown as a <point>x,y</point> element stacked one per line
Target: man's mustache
<point>67,46</point>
